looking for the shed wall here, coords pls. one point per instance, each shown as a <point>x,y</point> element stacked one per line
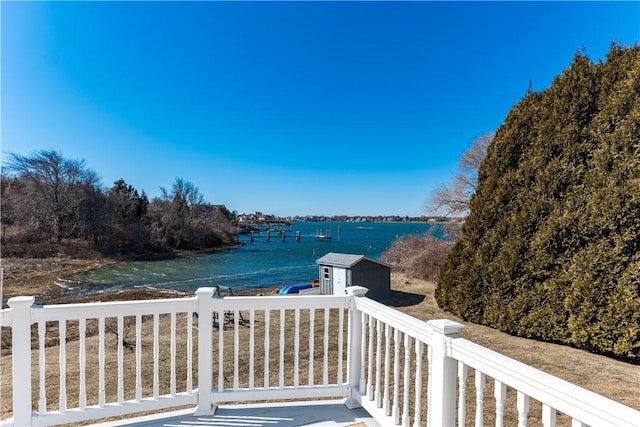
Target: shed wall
<point>374,276</point>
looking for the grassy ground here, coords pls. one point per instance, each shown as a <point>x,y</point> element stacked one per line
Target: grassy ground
<point>614,379</point>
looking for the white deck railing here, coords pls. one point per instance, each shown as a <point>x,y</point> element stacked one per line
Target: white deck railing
<point>402,370</point>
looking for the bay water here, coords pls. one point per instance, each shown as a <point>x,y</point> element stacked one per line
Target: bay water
<point>254,264</point>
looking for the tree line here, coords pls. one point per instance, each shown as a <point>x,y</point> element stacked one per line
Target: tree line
<point>48,199</point>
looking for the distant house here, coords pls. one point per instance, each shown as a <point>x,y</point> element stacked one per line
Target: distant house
<point>338,271</point>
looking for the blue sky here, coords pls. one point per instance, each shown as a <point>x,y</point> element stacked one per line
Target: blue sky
<point>290,108</point>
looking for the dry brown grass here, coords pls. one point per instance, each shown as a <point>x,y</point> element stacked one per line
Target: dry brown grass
<point>614,379</point>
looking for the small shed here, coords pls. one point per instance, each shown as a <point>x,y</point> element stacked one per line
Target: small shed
<point>338,271</point>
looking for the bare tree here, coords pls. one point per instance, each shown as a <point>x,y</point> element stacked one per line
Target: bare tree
<point>180,207</point>
<point>182,219</point>
<point>453,198</point>
<point>56,188</point>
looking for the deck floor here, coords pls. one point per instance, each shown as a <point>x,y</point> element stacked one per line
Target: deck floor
<point>281,414</point>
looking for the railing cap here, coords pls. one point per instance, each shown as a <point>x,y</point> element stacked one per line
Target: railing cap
<point>446,326</point>
<point>16,302</point>
<point>356,291</point>
<point>205,291</point>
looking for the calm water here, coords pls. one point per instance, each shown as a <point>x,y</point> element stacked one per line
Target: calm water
<point>253,265</point>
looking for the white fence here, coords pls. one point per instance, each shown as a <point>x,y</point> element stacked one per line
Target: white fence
<point>402,370</point>
<point>449,360</point>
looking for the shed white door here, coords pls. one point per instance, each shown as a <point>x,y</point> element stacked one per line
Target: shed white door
<point>339,281</point>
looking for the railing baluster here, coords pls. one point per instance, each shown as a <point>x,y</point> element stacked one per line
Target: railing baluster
<point>281,360</point>
<point>220,315</point>
<point>138,357</point>
<point>62,333</point>
<point>236,348</point>
<point>500,393</point>
<point>548,416</point>
<point>418,379</point>
<point>101,396</point>
<point>396,376</point>
<point>190,352</point>
<point>372,328</point>
<point>120,328</point>
<point>312,320</point>
<point>363,354</point>
<point>172,381</point>
<point>82,357</point>
<point>340,344</point>
<point>463,374</point>
<point>378,385</point>
<point>42,364</point>
<point>252,318</point>
<point>325,359</point>
<point>156,356</point>
<point>387,369</point>
<point>430,385</point>
<point>407,380</point>
<point>480,382</point>
<point>523,409</point>
<point>267,327</point>
<point>296,349</point>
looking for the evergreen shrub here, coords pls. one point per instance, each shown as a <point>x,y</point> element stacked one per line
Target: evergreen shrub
<point>551,246</point>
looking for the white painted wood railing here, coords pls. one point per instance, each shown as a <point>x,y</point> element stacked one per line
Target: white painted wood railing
<point>103,318</point>
<point>392,338</point>
<point>281,321</point>
<point>402,370</point>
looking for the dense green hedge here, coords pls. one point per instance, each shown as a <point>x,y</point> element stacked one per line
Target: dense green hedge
<point>551,246</point>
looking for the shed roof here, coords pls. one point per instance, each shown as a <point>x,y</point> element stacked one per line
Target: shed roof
<point>344,260</point>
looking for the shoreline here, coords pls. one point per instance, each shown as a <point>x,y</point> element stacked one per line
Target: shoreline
<point>43,277</point>
<point>40,277</point>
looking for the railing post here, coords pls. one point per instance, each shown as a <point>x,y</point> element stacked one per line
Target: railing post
<point>354,347</point>
<point>21,358</point>
<point>205,350</point>
<point>442,396</point>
